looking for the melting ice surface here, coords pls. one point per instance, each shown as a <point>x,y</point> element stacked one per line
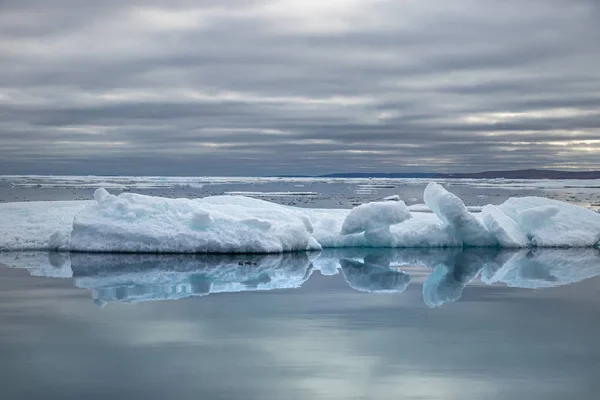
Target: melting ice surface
<point>446,272</point>
<point>235,224</point>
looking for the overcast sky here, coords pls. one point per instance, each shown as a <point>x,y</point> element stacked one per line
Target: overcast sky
<point>262,87</point>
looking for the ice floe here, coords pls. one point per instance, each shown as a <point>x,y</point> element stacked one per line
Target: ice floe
<point>236,224</point>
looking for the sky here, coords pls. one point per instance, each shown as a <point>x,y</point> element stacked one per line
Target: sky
<point>306,87</point>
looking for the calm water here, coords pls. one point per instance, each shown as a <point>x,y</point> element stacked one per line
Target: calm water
<point>345,324</point>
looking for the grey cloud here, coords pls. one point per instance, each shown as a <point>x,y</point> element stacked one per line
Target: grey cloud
<point>295,93</point>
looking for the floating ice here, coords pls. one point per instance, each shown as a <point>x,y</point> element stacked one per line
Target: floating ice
<point>37,225</point>
<point>222,224</point>
<point>376,215</point>
<point>551,223</point>
<point>457,219</point>
<point>534,218</point>
<point>505,229</point>
<point>234,224</point>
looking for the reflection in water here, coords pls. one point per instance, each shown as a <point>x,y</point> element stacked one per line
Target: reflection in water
<point>135,277</point>
<point>368,277</point>
<point>541,268</point>
<point>143,277</point>
<point>447,281</point>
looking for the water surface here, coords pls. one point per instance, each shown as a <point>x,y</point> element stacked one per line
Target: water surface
<point>344,324</point>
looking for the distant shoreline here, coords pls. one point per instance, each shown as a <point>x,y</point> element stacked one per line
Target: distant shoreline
<point>533,174</point>
<point>515,174</point>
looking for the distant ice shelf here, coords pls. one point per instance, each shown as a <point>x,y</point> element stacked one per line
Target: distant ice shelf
<point>137,223</point>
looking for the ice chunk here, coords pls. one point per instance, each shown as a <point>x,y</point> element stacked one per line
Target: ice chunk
<point>222,224</point>
<point>533,218</point>
<point>375,215</point>
<point>59,241</point>
<point>201,220</point>
<point>229,224</point>
<point>381,237</point>
<point>571,226</point>
<point>504,228</point>
<point>30,225</point>
<point>101,195</point>
<point>458,220</point>
<point>394,197</point>
<point>256,223</point>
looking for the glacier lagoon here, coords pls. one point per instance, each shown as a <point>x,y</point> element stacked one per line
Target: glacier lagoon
<point>365,323</point>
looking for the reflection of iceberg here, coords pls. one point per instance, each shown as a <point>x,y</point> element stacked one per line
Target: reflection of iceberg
<point>39,263</point>
<point>134,277</point>
<point>448,280</point>
<point>526,268</point>
<point>142,277</point>
<point>368,277</point>
<point>541,268</point>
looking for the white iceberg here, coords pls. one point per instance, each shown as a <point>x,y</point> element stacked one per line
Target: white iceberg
<point>503,228</point>
<point>233,224</point>
<point>457,219</point>
<point>374,216</point>
<point>30,225</point>
<point>221,224</point>
<point>552,223</point>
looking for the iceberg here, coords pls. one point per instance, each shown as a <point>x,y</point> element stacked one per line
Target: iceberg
<point>222,224</point>
<point>457,220</point>
<point>552,223</point>
<point>374,216</point>
<point>30,225</point>
<point>135,223</point>
<point>503,228</point>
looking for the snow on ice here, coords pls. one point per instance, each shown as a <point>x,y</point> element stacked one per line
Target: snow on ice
<point>235,224</point>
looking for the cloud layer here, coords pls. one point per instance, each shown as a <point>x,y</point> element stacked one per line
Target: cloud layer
<point>206,87</point>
